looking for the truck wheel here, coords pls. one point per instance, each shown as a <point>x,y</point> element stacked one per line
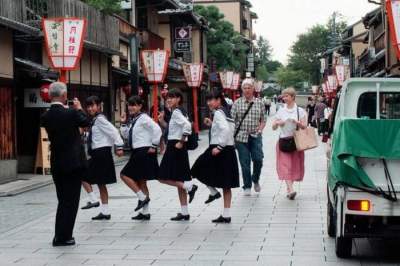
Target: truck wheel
<point>343,246</point>
<point>331,220</point>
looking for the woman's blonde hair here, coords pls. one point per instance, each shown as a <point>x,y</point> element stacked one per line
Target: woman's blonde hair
<point>290,91</point>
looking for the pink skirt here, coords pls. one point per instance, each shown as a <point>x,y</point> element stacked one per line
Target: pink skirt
<point>290,166</point>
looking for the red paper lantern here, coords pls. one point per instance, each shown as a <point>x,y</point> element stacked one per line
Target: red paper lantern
<point>45,92</point>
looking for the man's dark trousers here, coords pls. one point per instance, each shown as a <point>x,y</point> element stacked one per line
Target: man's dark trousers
<point>68,189</point>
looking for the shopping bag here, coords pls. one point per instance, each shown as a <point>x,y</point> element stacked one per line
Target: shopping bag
<point>305,139</point>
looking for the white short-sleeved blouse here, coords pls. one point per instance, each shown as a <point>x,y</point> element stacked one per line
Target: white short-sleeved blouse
<point>287,115</point>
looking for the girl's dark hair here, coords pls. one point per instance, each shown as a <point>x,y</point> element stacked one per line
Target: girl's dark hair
<point>217,94</point>
<point>93,100</point>
<point>135,101</point>
<point>175,93</point>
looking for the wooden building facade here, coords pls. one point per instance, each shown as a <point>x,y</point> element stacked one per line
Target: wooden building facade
<point>27,69</point>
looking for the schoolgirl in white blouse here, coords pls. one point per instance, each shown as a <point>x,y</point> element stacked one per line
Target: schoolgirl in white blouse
<point>103,136</point>
<point>218,166</point>
<point>174,167</point>
<point>144,137</point>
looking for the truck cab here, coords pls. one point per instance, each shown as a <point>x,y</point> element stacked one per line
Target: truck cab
<point>363,160</point>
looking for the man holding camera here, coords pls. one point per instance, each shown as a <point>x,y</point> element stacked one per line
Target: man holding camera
<point>68,160</point>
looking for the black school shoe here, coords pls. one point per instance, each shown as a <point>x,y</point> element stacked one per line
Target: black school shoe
<point>222,220</point>
<point>141,217</point>
<point>90,205</point>
<point>181,217</point>
<point>211,198</point>
<point>58,243</point>
<point>101,216</point>
<point>142,203</point>
<point>192,193</point>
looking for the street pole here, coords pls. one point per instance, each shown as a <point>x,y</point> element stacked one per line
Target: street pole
<point>155,101</point>
<point>63,76</point>
<point>134,50</point>
<point>195,110</point>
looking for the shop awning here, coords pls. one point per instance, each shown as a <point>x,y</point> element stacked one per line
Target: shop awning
<point>30,66</point>
<point>15,25</point>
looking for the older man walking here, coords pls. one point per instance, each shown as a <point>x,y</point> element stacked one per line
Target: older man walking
<point>67,159</point>
<point>249,115</point>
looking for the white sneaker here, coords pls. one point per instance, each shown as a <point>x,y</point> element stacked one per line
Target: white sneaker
<point>257,187</point>
<point>247,192</point>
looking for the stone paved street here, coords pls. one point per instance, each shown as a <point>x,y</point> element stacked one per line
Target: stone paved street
<point>267,229</point>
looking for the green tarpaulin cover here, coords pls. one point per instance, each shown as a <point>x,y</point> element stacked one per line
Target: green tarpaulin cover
<point>365,138</point>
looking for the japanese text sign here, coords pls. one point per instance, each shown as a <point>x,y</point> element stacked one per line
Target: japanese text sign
<point>393,11</point>
<point>193,74</point>
<point>226,79</point>
<point>235,81</point>
<point>64,40</point>
<point>332,83</point>
<point>155,64</point>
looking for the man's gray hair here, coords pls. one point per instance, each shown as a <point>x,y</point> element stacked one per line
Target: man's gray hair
<point>57,89</point>
<point>248,82</point>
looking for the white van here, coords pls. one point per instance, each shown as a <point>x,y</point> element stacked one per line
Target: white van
<point>364,163</point>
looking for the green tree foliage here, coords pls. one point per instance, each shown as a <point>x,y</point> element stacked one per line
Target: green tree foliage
<point>306,51</point>
<point>224,44</point>
<point>265,65</point>
<point>107,6</point>
<point>287,77</point>
<point>262,73</point>
<point>263,50</point>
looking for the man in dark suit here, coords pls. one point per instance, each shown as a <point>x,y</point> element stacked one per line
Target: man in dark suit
<point>67,158</point>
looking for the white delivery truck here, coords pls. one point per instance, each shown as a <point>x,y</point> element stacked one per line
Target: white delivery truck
<point>364,163</point>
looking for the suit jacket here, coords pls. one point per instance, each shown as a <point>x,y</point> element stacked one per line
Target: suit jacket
<point>62,126</point>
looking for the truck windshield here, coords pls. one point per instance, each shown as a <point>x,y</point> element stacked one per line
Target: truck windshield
<point>389,105</point>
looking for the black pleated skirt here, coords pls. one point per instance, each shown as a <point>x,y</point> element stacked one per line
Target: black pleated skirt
<point>221,171</point>
<point>175,163</point>
<point>101,167</point>
<point>141,165</point>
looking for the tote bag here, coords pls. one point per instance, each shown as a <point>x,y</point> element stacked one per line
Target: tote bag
<point>305,139</point>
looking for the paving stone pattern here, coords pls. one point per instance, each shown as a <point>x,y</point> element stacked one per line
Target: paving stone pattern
<point>267,229</point>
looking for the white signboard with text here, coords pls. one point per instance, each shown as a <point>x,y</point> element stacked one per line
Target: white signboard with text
<point>155,63</point>
<point>193,74</point>
<point>32,99</point>
<point>64,40</point>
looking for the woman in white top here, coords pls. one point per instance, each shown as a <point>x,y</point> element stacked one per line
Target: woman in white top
<point>174,167</point>
<point>289,161</point>
<point>103,136</point>
<point>218,166</point>
<point>144,137</point>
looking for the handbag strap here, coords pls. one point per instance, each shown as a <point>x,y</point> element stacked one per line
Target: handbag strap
<point>298,118</point>
<point>243,118</point>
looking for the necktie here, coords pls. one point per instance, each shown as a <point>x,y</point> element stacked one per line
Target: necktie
<point>90,137</point>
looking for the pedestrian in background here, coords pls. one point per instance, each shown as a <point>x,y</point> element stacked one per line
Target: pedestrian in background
<point>289,164</point>
<point>174,167</point>
<point>218,167</point>
<point>68,164</point>
<point>319,114</point>
<point>267,103</point>
<point>248,113</point>
<point>144,137</point>
<point>102,139</point>
<point>311,111</point>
